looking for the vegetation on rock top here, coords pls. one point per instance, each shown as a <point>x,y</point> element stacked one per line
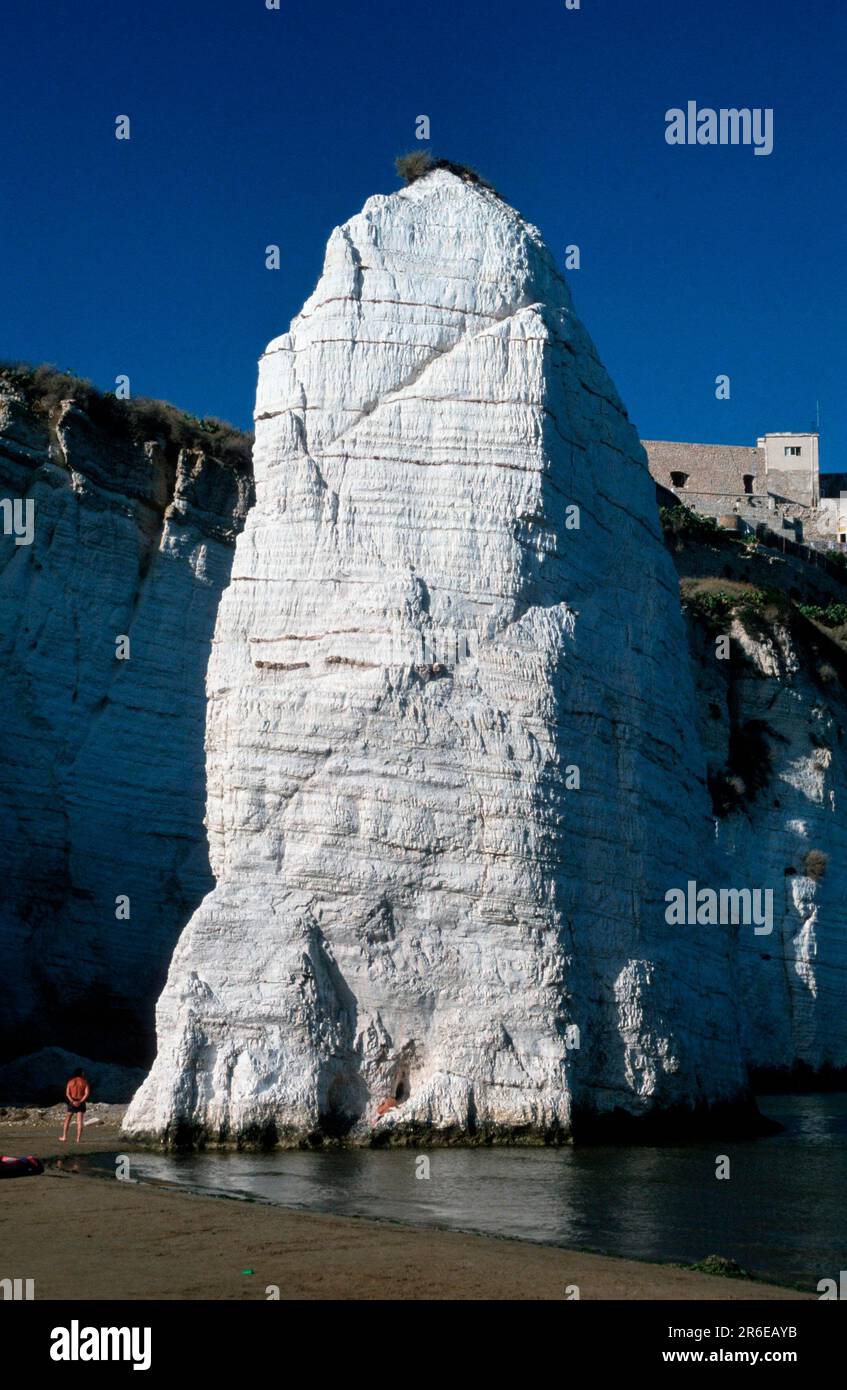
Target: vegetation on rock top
<point>417,163</point>
<point>137,419</point>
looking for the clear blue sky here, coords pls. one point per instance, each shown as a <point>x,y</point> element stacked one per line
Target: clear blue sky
<point>252,126</point>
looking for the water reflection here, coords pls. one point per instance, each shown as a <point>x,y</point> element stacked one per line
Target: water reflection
<point>780,1214</point>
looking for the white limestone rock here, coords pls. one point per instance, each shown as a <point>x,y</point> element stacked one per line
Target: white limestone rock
<point>102,781</point>
<point>411,903</point>
<point>781,705</point>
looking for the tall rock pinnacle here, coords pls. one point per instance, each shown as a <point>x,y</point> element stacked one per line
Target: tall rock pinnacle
<point>451,759</point>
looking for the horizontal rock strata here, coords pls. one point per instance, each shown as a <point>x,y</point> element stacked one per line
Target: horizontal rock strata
<point>451,748</point>
<point>106,619</point>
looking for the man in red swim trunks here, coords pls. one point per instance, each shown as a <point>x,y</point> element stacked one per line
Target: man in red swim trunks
<point>77,1092</point>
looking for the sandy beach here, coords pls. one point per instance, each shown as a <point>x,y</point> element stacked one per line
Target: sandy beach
<point>83,1237</point>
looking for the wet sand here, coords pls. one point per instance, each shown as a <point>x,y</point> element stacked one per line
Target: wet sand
<point>84,1237</point>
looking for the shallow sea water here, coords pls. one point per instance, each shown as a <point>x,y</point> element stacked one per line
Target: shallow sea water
<point>782,1214</point>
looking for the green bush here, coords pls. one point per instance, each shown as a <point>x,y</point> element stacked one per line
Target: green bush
<point>718,604</point>
<point>837,558</point>
<point>833,615</point>
<point>682,521</point>
<point>714,604</point>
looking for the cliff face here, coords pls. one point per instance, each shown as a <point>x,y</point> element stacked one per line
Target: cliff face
<point>102,783</point>
<point>452,757</point>
<point>773,717</point>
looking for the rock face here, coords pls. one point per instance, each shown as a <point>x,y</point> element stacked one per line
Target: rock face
<point>40,1078</point>
<point>451,747</point>
<point>773,718</point>
<point>102,783</point>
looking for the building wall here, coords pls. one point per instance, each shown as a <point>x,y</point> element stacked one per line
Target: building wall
<point>717,469</point>
<point>785,490</point>
<point>832,516</point>
<point>794,476</point>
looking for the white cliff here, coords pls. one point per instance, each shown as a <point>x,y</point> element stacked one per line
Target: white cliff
<point>102,782</point>
<point>773,721</point>
<point>450,594</point>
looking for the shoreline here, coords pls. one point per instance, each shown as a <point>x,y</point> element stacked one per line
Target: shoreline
<point>725,1119</point>
<point>81,1236</point>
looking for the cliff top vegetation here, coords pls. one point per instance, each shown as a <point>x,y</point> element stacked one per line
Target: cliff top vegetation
<point>137,419</point>
<point>417,163</point>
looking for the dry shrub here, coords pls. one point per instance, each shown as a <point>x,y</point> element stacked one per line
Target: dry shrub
<point>417,163</point>
<point>413,165</point>
<point>814,865</point>
<point>139,418</point>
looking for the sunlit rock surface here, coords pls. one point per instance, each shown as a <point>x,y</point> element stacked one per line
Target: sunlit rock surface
<point>415,902</point>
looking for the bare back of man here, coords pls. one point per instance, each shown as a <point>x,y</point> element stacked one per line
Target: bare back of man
<point>77,1092</point>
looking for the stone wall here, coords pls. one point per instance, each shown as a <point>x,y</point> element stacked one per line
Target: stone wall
<point>712,469</point>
